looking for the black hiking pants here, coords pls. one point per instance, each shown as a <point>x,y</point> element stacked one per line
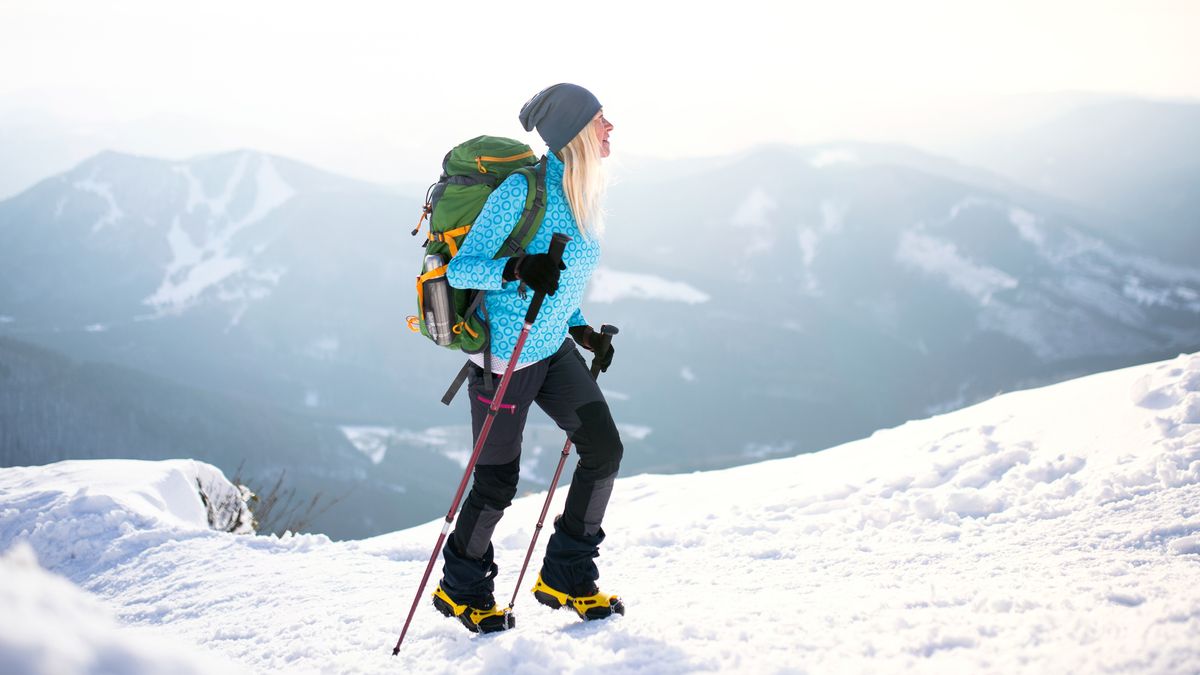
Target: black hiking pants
<point>562,386</point>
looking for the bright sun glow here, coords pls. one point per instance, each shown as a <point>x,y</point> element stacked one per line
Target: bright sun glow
<point>356,87</point>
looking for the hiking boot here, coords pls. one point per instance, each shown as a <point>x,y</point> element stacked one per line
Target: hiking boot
<point>593,605</point>
<point>488,619</point>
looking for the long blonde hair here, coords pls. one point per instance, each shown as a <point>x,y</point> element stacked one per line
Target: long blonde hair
<point>585,180</point>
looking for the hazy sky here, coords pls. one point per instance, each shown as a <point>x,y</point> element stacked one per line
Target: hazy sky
<point>677,78</point>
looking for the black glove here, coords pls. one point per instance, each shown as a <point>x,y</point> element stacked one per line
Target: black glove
<point>587,338</point>
<point>537,270</point>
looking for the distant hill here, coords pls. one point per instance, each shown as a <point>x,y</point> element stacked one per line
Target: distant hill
<point>54,408</point>
<point>1137,160</point>
<point>773,302</point>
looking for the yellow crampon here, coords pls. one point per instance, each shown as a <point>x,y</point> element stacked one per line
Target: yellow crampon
<point>596,606</point>
<point>476,620</point>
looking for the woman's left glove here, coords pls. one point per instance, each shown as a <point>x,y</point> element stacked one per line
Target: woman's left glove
<point>585,337</point>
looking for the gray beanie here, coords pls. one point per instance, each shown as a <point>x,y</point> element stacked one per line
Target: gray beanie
<point>559,113</point>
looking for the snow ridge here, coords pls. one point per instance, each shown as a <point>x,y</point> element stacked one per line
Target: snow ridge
<point>1050,530</point>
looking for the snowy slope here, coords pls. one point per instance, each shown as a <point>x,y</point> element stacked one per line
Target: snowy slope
<point>1051,530</point>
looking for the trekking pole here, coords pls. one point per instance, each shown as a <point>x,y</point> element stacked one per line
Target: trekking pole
<point>606,333</point>
<point>558,242</point>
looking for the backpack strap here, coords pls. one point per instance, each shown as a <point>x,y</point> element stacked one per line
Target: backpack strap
<point>457,383</point>
<point>522,234</point>
<point>531,217</point>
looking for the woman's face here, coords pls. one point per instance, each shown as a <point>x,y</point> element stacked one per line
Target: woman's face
<point>603,127</point>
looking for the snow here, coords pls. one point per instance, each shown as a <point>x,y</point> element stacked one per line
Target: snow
<point>832,157</point>
<point>326,346</point>
<point>754,214</point>
<point>755,210</point>
<point>833,216</point>
<point>636,432</point>
<point>370,441</point>
<point>104,191</point>
<point>941,258</point>
<point>51,626</point>
<point>609,285</point>
<point>1027,227</point>
<point>1050,530</point>
<point>197,266</point>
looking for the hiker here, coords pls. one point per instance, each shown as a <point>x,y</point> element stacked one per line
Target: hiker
<point>550,371</point>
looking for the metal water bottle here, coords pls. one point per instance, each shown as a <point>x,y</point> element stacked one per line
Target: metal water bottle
<point>439,314</point>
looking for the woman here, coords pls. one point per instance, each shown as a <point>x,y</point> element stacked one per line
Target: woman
<point>550,373</point>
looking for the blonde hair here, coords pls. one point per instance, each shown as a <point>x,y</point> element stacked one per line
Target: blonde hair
<point>585,180</point>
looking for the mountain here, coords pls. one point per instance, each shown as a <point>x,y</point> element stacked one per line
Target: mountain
<point>1051,530</point>
<point>1135,160</point>
<point>240,272</point>
<point>53,408</point>
<point>770,303</point>
<point>850,285</point>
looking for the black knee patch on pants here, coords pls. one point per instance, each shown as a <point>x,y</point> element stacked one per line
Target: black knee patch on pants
<point>597,441</point>
<point>493,491</point>
<point>600,453</point>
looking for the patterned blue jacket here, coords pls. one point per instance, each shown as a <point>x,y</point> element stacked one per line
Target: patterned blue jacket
<point>474,267</point>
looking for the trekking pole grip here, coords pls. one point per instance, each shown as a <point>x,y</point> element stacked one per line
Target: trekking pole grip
<point>605,337</point>
<point>558,243</point>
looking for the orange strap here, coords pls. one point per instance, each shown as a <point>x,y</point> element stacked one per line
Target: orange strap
<point>437,272</point>
<point>414,323</point>
<point>448,237</point>
<point>484,158</point>
<point>428,209</point>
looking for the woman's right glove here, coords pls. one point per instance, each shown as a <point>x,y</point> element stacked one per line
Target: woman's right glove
<point>537,270</point>
<point>601,349</point>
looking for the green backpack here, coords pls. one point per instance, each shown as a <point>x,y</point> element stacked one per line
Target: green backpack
<point>470,172</point>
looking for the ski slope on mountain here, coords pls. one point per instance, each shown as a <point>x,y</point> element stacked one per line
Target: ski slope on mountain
<point>1050,530</point>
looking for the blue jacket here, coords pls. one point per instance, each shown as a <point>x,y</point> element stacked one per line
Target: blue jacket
<point>474,267</point>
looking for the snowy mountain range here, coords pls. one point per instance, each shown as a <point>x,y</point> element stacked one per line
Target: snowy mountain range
<point>1049,530</point>
<point>1135,160</point>
<point>792,298</point>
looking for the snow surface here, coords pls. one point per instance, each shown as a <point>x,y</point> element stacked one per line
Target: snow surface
<point>198,266</point>
<point>833,217</point>
<point>50,625</point>
<point>941,258</point>
<point>609,285</point>
<point>370,441</point>
<point>833,156</point>
<point>1051,530</point>
<point>104,191</point>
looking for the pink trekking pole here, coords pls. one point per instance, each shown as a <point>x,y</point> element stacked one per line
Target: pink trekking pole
<point>606,333</point>
<point>558,242</point>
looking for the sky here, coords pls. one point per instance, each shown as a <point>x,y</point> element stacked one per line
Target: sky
<point>381,80</point>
